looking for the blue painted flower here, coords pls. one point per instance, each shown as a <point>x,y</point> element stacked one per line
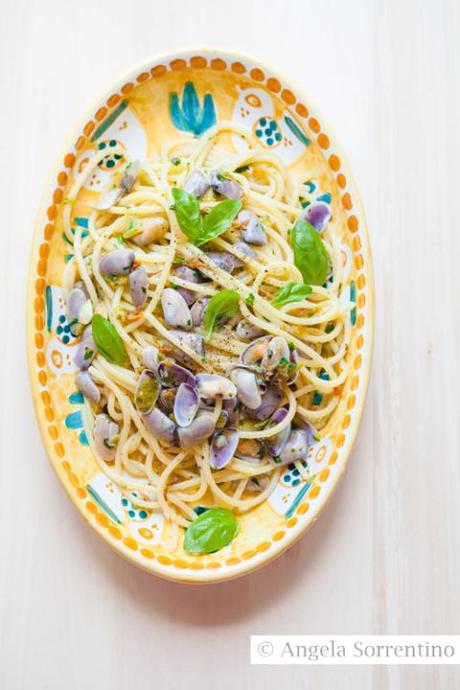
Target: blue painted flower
<point>189,115</point>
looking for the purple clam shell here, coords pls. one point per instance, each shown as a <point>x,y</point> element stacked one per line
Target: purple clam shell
<point>86,385</point>
<point>76,299</point>
<point>196,184</point>
<point>86,350</point>
<point>275,444</point>
<point>198,309</point>
<point>230,407</point>
<point>245,249</point>
<point>160,426</point>
<point>105,431</point>
<point>270,402</point>
<point>147,391</point>
<point>188,295</point>
<point>212,385</point>
<point>296,447</point>
<point>253,231</point>
<point>172,374</point>
<point>317,214</point>
<point>138,283</point>
<point>245,381</point>
<point>225,186</point>
<point>175,309</point>
<point>117,263</point>
<point>199,430</point>
<point>186,404</point>
<point>223,447</point>
<point>194,341</point>
<point>224,260</point>
<point>129,177</point>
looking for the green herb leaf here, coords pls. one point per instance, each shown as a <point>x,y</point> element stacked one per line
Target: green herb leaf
<point>291,292</point>
<point>225,303</point>
<point>211,531</point>
<point>107,341</point>
<point>187,209</point>
<point>219,219</point>
<point>250,299</point>
<point>175,160</point>
<point>310,255</point>
<point>200,230</point>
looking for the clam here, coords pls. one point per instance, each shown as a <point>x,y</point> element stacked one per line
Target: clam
<point>197,184</point>
<point>248,392</point>
<point>296,447</point>
<point>166,400</point>
<point>186,404</point>
<point>230,407</point>
<point>86,350</point>
<point>277,350</point>
<point>254,352</point>
<point>249,449</point>
<point>175,309</point>
<point>172,375</point>
<point>223,447</point>
<point>138,283</point>
<point>188,295</point>
<point>105,436</point>
<point>210,386</point>
<point>245,330</point>
<point>270,401</point>
<point>191,275</point>
<point>275,444</point>
<point>117,263</point>
<point>198,309</point>
<point>198,431</point>
<point>317,214</point>
<point>150,357</point>
<point>86,385</point>
<point>79,308</point>
<point>224,260</point>
<point>129,176</point>
<point>160,426</point>
<point>76,300</point>
<point>147,391</point>
<point>225,186</point>
<point>192,340</point>
<point>151,229</point>
<point>253,231</point>
<point>245,249</point>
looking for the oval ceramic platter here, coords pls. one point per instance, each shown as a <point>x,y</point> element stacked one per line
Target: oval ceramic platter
<point>143,108</point>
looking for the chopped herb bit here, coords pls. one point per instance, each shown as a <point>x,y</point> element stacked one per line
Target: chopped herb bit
<point>243,168</point>
<point>330,327</point>
<point>250,299</point>
<point>291,346</point>
<point>175,160</point>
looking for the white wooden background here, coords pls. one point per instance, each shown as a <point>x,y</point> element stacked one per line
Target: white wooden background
<point>385,555</point>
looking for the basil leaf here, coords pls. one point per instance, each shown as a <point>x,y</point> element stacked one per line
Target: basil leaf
<point>107,341</point>
<point>291,292</point>
<point>225,303</point>
<point>310,255</point>
<point>187,209</point>
<point>210,531</point>
<point>218,220</point>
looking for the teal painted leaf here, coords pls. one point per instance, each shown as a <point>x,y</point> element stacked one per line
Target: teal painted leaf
<point>297,132</point>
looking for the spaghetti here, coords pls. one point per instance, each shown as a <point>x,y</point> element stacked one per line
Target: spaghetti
<point>208,359</point>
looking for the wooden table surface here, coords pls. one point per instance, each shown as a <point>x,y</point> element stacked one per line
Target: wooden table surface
<point>384,557</point>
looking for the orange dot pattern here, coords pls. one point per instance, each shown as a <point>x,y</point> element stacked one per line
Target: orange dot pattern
<point>118,534</point>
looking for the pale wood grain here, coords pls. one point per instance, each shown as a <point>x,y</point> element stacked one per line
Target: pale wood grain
<point>384,557</point>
